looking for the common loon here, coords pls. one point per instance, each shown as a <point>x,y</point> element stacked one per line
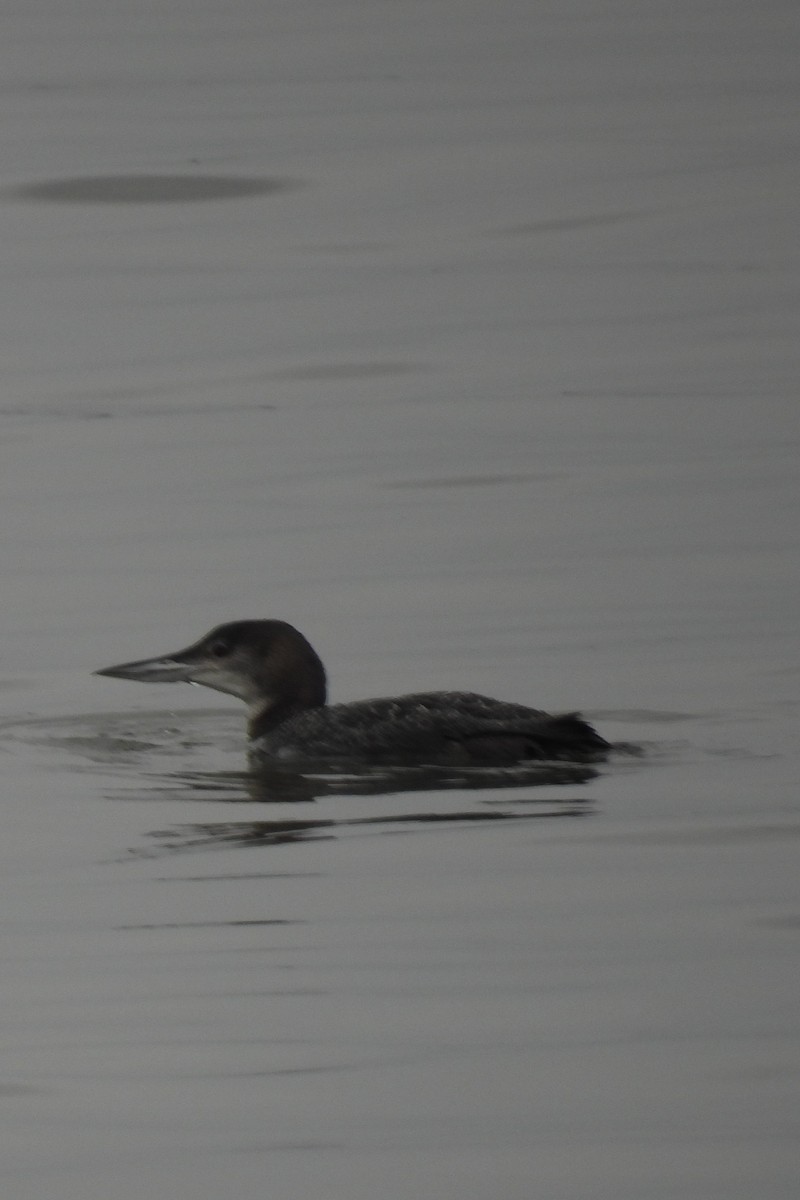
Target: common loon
<point>280,677</point>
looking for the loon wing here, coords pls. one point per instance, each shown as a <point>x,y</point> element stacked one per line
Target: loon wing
<point>473,727</point>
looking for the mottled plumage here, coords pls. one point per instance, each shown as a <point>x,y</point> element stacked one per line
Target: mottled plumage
<point>272,667</point>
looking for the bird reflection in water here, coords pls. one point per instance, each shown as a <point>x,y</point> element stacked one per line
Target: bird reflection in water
<point>511,800</point>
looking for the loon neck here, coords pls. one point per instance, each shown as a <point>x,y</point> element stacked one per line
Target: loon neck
<point>266,715</point>
<point>292,683</point>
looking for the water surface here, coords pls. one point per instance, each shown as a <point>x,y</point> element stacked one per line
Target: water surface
<point>502,398</point>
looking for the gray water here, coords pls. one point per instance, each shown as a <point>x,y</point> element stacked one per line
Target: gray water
<point>464,337</point>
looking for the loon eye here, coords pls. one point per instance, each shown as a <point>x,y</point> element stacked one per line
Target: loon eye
<point>219,648</point>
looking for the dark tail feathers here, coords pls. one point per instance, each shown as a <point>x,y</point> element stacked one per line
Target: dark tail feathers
<point>569,736</point>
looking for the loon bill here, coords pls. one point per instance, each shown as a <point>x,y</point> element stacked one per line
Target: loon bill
<point>280,677</point>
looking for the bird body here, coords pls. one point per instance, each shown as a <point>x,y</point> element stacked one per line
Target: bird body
<point>274,669</point>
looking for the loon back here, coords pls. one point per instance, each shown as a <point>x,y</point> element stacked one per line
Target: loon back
<point>444,728</point>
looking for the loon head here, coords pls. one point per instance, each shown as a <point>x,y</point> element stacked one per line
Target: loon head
<point>268,664</point>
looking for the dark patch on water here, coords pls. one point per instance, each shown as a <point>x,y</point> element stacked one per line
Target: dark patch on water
<point>656,716</point>
<point>352,370</point>
<point>464,481</point>
<point>236,875</point>
<point>791,921</point>
<point>131,403</point>
<point>209,924</point>
<point>566,224</point>
<point>148,189</point>
<point>283,832</point>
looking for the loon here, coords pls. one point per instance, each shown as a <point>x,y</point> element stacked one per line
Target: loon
<point>280,677</point>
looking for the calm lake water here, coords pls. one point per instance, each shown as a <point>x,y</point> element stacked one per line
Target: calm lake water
<point>464,337</point>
